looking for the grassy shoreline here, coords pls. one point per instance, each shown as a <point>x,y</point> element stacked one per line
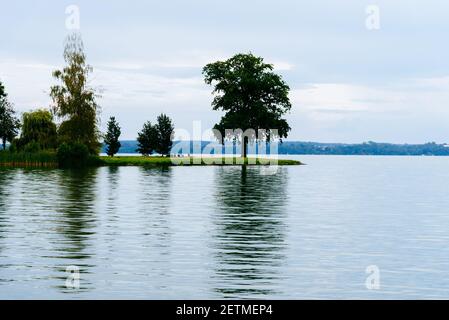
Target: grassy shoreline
<point>44,159</point>
<point>48,159</point>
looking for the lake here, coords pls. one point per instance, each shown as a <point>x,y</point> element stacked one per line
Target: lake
<point>305,232</point>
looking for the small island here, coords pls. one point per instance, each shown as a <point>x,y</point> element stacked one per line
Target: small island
<point>250,95</point>
<point>187,161</point>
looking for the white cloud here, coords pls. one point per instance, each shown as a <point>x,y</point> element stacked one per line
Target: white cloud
<point>410,111</point>
<point>27,83</point>
<point>345,99</point>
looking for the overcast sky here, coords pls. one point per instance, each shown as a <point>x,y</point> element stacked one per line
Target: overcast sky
<point>349,83</point>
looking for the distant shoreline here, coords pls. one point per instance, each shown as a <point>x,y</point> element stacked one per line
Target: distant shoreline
<point>317,148</point>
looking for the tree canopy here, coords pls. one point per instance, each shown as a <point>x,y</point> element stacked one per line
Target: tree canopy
<point>156,138</point>
<point>165,130</point>
<point>2,91</point>
<point>38,131</point>
<point>9,123</point>
<point>251,95</point>
<point>74,100</point>
<point>147,139</point>
<point>112,136</point>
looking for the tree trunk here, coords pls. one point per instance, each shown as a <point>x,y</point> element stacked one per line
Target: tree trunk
<point>4,144</point>
<point>245,147</point>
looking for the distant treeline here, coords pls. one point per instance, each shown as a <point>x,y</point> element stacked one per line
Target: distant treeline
<point>368,148</point>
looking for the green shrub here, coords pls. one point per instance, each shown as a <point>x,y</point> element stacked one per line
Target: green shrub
<point>73,155</point>
<point>32,147</point>
<point>95,161</point>
<point>12,147</point>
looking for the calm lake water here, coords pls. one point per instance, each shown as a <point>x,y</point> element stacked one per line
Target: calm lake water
<point>222,232</point>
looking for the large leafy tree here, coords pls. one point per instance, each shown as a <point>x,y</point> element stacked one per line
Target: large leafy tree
<point>148,139</point>
<point>74,100</point>
<point>111,138</point>
<point>251,95</point>
<point>39,130</point>
<point>9,123</point>
<point>165,131</point>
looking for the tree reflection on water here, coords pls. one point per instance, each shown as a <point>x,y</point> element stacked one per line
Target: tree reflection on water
<point>76,221</point>
<point>249,239</point>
